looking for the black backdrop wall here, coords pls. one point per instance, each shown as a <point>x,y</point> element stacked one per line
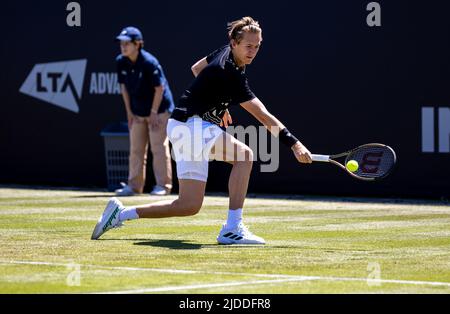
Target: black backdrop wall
<point>332,79</point>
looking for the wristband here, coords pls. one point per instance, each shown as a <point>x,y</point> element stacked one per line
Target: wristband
<point>287,138</point>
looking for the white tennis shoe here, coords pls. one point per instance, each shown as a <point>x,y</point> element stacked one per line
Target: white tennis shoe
<point>109,218</point>
<point>159,190</point>
<point>238,235</point>
<point>126,190</point>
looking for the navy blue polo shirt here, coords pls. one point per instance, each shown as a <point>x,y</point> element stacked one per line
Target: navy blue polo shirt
<point>219,85</point>
<point>140,79</point>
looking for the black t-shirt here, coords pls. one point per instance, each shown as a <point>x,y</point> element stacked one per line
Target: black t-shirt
<point>219,85</point>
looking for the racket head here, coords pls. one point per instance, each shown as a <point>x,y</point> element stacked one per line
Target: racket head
<point>376,161</point>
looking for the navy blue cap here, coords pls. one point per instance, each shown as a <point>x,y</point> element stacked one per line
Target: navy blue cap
<point>130,33</point>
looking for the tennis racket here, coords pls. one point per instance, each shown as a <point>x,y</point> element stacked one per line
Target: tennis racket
<point>376,161</point>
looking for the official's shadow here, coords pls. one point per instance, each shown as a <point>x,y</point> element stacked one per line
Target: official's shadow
<point>94,196</point>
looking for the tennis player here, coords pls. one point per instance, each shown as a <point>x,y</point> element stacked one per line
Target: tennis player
<point>196,137</point>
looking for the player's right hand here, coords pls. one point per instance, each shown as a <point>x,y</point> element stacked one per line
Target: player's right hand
<point>302,154</point>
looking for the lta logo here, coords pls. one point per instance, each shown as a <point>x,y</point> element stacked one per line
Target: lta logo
<point>59,83</point>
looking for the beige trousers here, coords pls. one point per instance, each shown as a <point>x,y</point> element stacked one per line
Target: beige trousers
<point>141,135</point>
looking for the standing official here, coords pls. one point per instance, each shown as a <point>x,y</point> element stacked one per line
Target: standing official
<point>148,103</point>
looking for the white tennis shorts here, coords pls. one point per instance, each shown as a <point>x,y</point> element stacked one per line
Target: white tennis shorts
<point>192,142</point>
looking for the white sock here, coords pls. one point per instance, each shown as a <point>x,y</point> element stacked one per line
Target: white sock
<point>128,214</point>
<point>234,218</point>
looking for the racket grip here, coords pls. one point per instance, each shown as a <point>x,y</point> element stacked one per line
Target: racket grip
<point>321,158</point>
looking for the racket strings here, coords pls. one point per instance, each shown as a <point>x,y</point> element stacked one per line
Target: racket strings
<point>375,161</point>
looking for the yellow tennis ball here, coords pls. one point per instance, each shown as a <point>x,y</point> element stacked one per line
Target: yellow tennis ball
<point>352,165</point>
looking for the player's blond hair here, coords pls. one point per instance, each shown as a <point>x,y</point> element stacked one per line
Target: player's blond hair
<point>236,29</point>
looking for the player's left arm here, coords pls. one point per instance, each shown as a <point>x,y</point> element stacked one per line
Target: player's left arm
<point>196,69</point>
<point>199,66</point>
<point>257,109</point>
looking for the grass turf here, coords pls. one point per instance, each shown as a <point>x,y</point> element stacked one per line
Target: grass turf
<point>45,246</point>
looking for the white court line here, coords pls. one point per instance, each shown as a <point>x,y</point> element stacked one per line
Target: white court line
<point>202,286</point>
<point>279,276</point>
<point>158,270</point>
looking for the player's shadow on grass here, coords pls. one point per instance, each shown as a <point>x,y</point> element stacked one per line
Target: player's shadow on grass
<point>172,244</point>
<point>183,245</point>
